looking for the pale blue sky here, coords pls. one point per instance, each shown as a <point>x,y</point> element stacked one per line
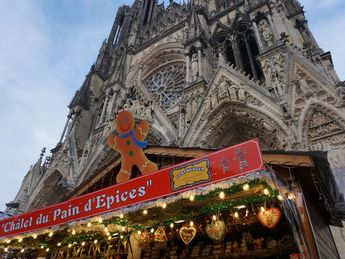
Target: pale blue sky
<point>47,48</point>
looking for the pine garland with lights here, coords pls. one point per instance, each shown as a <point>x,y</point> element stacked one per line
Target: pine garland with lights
<point>64,238</point>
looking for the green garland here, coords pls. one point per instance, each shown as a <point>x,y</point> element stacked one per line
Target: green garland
<point>84,236</point>
<point>204,211</point>
<point>212,208</point>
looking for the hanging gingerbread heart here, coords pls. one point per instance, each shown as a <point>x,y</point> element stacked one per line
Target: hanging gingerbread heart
<point>216,230</point>
<point>270,217</point>
<point>145,238</point>
<point>159,235</point>
<point>187,234</point>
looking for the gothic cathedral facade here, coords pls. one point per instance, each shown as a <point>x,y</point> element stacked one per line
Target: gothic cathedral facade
<point>207,73</point>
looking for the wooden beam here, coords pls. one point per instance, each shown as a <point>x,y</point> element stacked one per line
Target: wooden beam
<point>290,160</point>
<point>273,159</point>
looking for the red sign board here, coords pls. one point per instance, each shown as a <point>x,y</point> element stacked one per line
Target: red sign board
<point>220,165</point>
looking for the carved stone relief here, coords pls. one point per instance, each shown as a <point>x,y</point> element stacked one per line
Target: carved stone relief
<point>274,71</point>
<point>139,111</point>
<point>323,129</point>
<point>307,88</point>
<point>226,90</point>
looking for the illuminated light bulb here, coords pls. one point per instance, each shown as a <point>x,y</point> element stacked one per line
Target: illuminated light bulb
<point>236,214</point>
<point>100,220</point>
<point>266,191</point>
<point>89,224</point>
<point>262,209</point>
<point>123,229</point>
<point>34,236</point>
<point>246,187</point>
<point>139,232</point>
<point>291,196</point>
<point>108,234</point>
<point>8,241</point>
<point>20,240</point>
<point>50,234</point>
<point>280,197</point>
<point>109,238</point>
<point>191,223</point>
<point>22,250</point>
<point>121,216</point>
<point>191,197</point>
<point>69,245</point>
<point>121,236</point>
<point>59,244</point>
<point>171,225</point>
<point>145,212</point>
<point>47,250</point>
<point>6,249</point>
<point>214,217</point>
<point>73,232</point>
<point>164,205</point>
<point>106,229</point>
<point>95,242</point>
<point>222,195</point>
<point>247,212</point>
<point>152,230</point>
<point>83,243</point>
<point>42,247</point>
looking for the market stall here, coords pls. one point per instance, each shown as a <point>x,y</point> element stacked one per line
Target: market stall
<point>225,204</point>
<point>183,203</point>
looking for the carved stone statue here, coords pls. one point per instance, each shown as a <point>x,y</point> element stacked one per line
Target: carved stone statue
<point>233,92</point>
<point>223,90</point>
<point>195,67</point>
<point>241,94</point>
<point>221,59</point>
<point>266,32</point>
<point>302,83</point>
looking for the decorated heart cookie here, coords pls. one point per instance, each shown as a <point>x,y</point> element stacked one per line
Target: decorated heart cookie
<point>160,235</point>
<point>270,217</point>
<point>187,234</point>
<point>145,238</point>
<point>216,230</point>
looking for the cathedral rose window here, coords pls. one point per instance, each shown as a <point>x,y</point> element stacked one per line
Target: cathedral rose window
<point>166,84</point>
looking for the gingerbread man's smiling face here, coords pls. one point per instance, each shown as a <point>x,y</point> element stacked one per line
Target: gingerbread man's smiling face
<point>124,122</point>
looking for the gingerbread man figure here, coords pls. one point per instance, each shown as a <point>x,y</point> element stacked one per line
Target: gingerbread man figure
<point>129,143</point>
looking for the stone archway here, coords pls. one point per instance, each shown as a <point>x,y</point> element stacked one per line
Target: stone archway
<point>231,124</point>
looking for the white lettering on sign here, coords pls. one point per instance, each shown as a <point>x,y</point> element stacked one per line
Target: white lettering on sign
<point>106,201</point>
<point>17,224</point>
<point>63,214</point>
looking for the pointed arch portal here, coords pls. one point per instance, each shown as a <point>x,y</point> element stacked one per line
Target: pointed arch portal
<point>231,124</point>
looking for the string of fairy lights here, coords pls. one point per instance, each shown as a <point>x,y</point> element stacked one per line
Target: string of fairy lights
<point>119,227</point>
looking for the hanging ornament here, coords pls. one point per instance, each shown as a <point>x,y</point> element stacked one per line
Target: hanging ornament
<point>244,247</point>
<point>216,230</point>
<point>258,243</point>
<point>187,233</point>
<point>145,238</point>
<point>270,217</point>
<point>159,235</point>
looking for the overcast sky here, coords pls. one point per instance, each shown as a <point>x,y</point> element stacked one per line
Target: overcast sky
<point>47,48</point>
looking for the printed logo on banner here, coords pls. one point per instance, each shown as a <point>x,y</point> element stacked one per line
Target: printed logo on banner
<point>190,175</point>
